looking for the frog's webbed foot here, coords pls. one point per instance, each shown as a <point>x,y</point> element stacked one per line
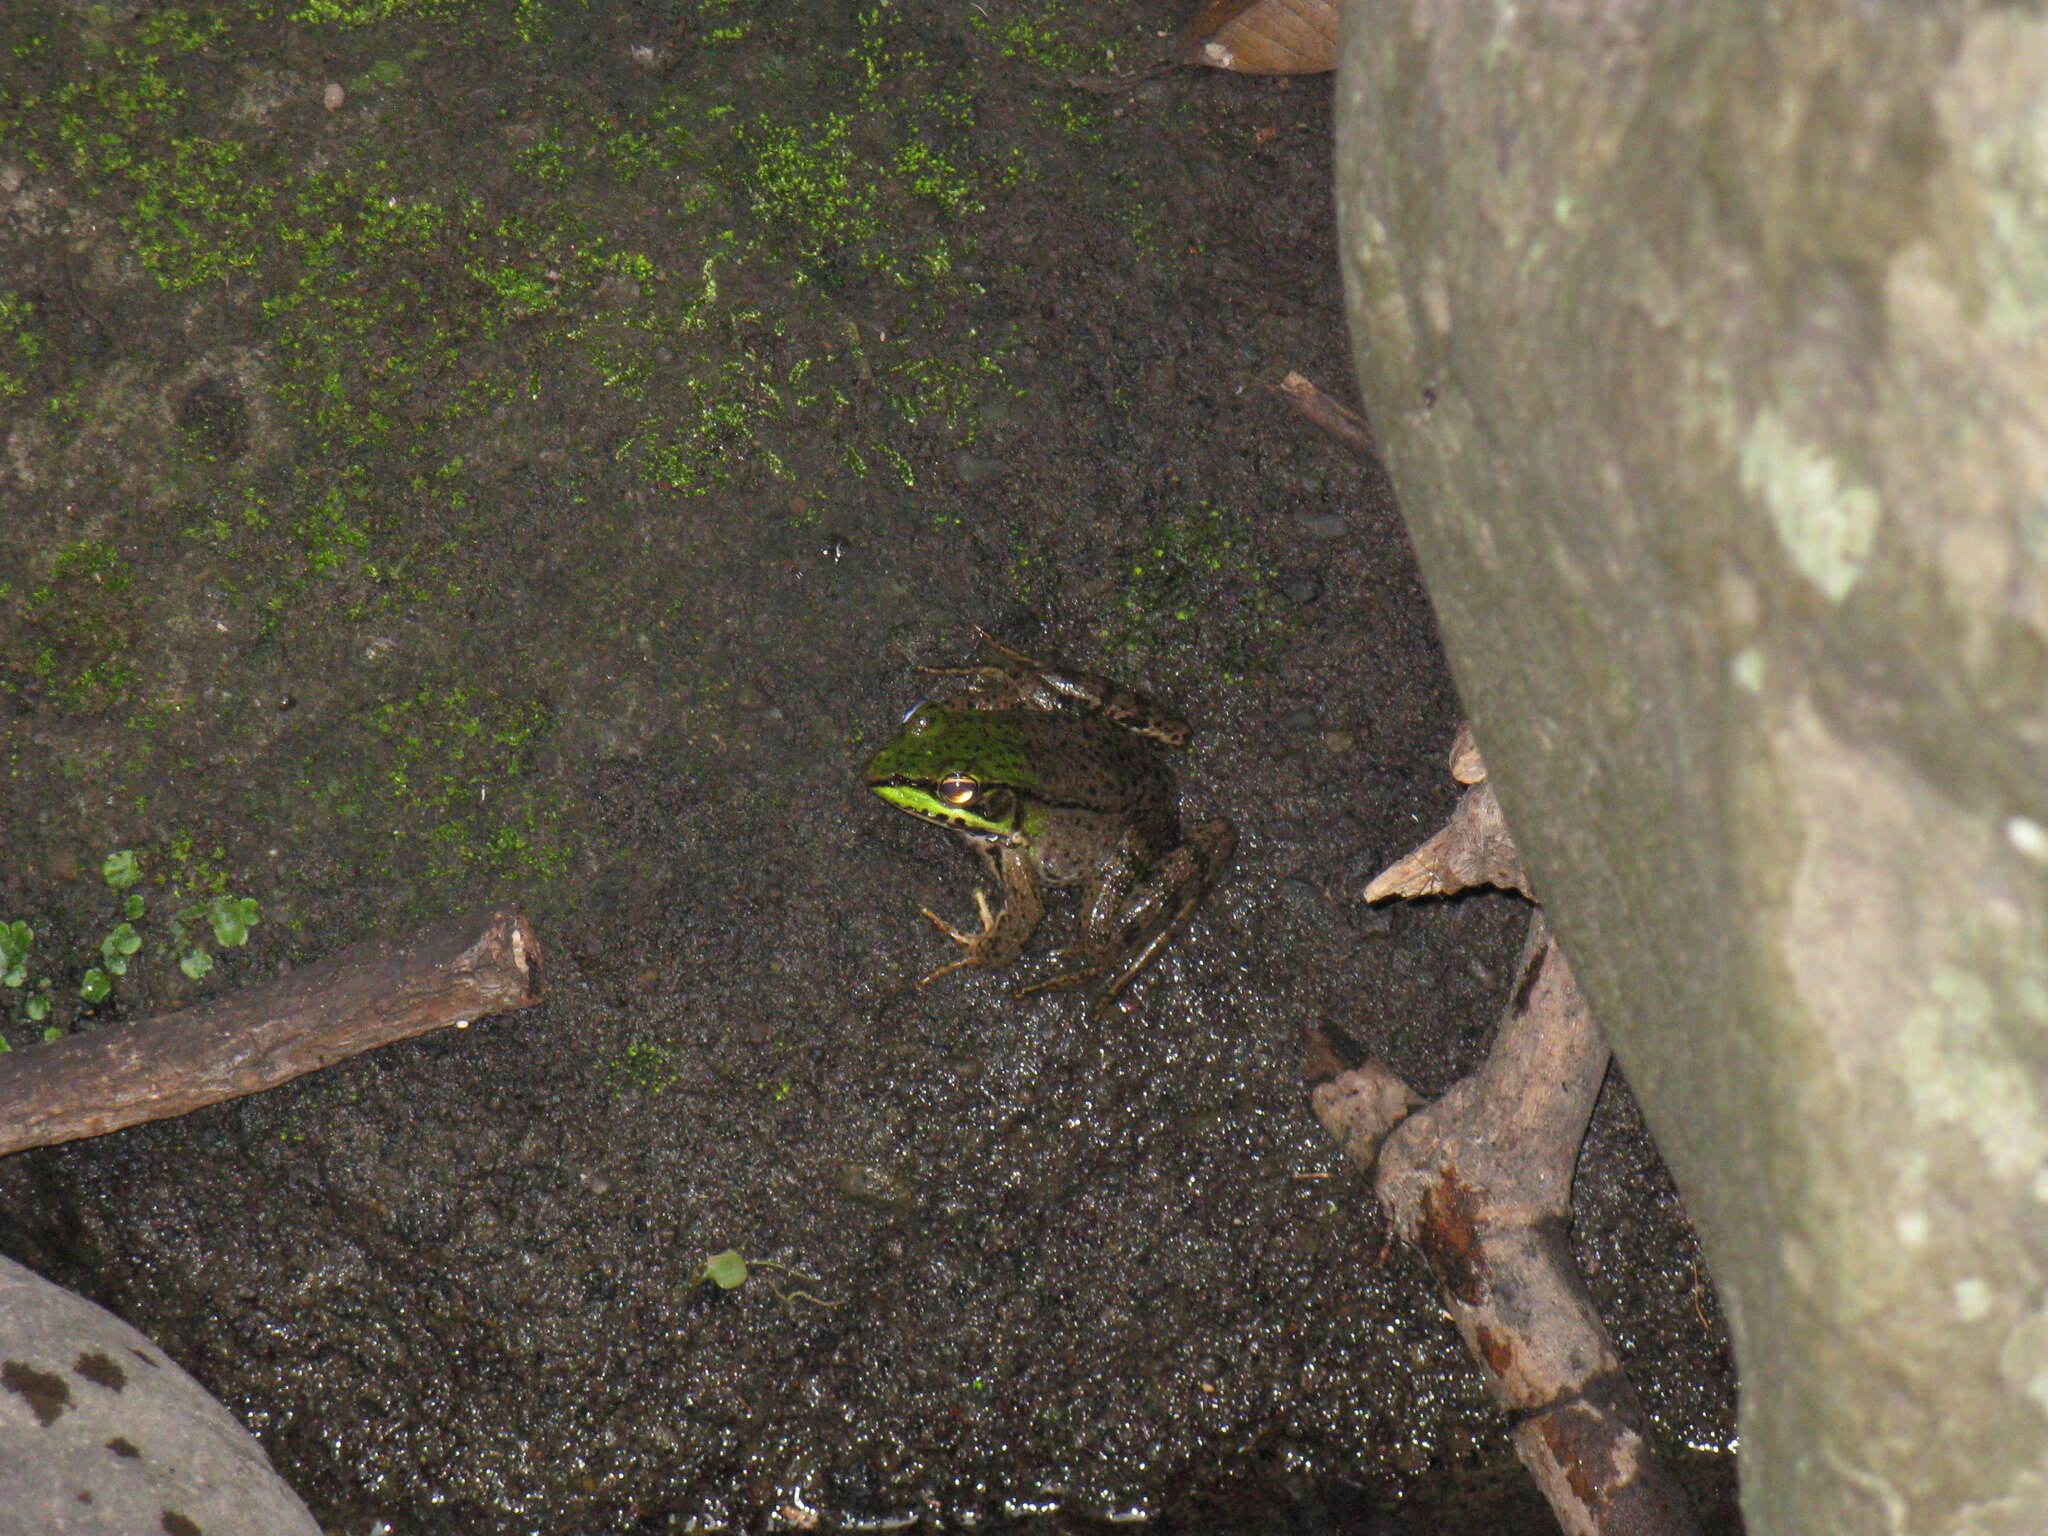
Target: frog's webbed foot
<point>973,946</point>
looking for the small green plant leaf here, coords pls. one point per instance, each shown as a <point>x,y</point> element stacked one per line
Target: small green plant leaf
<point>195,963</point>
<point>726,1270</point>
<point>94,985</point>
<point>37,1008</point>
<point>120,870</point>
<point>51,1032</point>
<point>120,942</point>
<point>232,918</point>
<point>14,942</point>
<point>132,907</point>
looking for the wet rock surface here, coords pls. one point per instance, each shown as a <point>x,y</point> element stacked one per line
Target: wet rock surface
<point>545,491</point>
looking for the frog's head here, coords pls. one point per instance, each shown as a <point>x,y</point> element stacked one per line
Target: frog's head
<point>956,768</point>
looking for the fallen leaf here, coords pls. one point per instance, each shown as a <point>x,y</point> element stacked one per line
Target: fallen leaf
<point>1264,37</point>
<point>1325,412</point>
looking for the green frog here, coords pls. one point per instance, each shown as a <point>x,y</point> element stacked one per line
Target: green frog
<point>1055,778</point>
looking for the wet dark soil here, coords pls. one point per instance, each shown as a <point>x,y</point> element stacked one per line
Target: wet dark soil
<point>528,463</point>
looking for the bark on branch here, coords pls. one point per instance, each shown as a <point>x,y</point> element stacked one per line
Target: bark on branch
<point>369,995</point>
<point>1479,1183</point>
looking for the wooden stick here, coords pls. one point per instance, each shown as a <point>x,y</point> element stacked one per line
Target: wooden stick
<point>1479,1183</point>
<point>369,995</point>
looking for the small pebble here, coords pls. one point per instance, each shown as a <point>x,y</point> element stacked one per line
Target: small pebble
<point>1300,586</point>
<point>1338,743</point>
<point>1324,525</point>
<point>616,290</point>
<point>333,97</point>
<point>1296,720</point>
<point>865,1184</point>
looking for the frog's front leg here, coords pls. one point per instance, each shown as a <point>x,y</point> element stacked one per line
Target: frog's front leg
<point>1004,932</point>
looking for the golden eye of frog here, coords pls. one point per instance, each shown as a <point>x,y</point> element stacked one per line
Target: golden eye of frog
<point>1056,779</point>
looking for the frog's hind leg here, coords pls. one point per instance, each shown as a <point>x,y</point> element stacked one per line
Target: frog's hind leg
<point>1178,887</point>
<point>1154,914</point>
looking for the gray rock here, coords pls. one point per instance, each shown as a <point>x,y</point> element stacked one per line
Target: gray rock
<point>1711,381</point>
<point>101,1435</point>
<point>973,471</point>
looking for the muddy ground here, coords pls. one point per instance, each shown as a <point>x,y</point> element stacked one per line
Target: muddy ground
<point>462,453</point>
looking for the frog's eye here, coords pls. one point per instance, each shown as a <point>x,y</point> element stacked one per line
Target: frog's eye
<point>958,789</point>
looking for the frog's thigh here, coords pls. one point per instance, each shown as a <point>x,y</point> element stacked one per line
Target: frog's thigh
<point>1175,888</point>
<point>1164,903</point>
<point>1109,897</point>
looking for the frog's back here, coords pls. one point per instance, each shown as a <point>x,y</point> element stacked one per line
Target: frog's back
<point>1086,762</point>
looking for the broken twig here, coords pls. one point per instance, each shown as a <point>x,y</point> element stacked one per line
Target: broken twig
<point>369,995</point>
<point>1339,421</point>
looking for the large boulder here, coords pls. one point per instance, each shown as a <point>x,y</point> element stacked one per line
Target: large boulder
<point>101,1435</point>
<point>1708,348</point>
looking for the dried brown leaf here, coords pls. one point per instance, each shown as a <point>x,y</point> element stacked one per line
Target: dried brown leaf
<point>1338,420</point>
<point>1467,766</point>
<point>1473,848</point>
<point>1265,37</point>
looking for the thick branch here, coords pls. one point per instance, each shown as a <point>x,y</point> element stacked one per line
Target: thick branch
<point>1480,1184</point>
<point>366,996</point>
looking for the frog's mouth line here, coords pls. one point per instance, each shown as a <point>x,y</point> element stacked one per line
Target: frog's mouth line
<point>982,829</point>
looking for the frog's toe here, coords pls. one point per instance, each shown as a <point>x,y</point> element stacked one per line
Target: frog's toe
<point>975,948</point>
<point>1077,978</point>
<point>958,936</point>
<point>951,966</point>
<point>1054,983</point>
